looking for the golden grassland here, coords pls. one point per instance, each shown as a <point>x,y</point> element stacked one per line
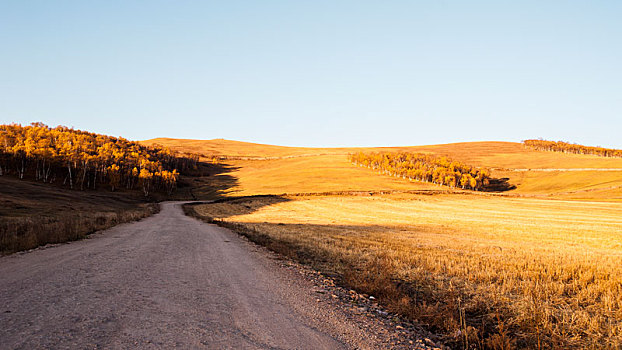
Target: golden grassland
<point>561,184</point>
<point>512,155</point>
<point>312,174</point>
<point>230,148</point>
<point>520,269</point>
<point>495,154</point>
<point>267,169</point>
<point>492,272</point>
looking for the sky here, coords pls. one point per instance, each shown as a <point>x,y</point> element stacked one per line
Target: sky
<point>317,73</point>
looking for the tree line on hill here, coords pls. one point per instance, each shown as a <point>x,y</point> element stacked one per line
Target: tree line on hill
<point>426,168</point>
<point>560,146</point>
<point>84,160</point>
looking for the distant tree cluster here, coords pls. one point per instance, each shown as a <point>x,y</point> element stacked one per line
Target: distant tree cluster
<point>425,167</point>
<point>560,146</point>
<point>82,159</point>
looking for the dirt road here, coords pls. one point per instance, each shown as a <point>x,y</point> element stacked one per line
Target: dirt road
<point>168,281</point>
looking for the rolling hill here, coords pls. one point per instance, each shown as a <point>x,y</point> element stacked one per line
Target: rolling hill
<point>537,266</point>
<point>268,169</point>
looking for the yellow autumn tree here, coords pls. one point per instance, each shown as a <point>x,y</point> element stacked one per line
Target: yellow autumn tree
<point>83,159</point>
<point>424,167</point>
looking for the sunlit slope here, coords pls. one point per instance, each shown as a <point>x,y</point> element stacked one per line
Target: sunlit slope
<point>268,169</point>
<point>493,154</point>
<point>513,155</point>
<point>570,176</point>
<point>328,173</point>
<point>229,148</point>
<point>262,169</point>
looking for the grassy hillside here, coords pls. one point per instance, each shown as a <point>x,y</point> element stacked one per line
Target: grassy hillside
<point>34,214</point>
<point>19,198</point>
<point>229,148</point>
<point>266,169</point>
<point>311,174</point>
<point>512,155</point>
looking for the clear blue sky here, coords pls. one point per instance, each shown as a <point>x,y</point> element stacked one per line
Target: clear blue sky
<point>317,73</point>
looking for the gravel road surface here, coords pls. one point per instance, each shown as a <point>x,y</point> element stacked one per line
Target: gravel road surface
<point>168,281</point>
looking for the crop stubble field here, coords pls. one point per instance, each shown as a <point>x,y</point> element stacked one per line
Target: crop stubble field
<point>538,266</point>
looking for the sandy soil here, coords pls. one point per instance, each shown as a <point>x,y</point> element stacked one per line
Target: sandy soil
<point>169,281</point>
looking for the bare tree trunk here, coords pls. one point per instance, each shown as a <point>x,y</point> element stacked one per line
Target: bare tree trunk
<point>47,174</point>
<point>83,176</point>
<point>21,171</point>
<point>70,176</point>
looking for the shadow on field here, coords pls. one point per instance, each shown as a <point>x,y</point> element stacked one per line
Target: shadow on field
<point>24,198</point>
<point>235,206</point>
<point>208,182</point>
<point>34,214</point>
<point>499,185</point>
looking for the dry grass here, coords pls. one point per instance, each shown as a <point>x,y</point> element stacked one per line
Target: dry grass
<point>512,155</point>
<point>493,272</point>
<point>485,271</point>
<point>560,183</point>
<point>274,169</point>
<point>34,214</point>
<point>312,174</point>
<point>229,148</point>
<point>17,234</point>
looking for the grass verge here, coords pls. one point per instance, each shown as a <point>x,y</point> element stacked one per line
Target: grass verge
<point>22,233</point>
